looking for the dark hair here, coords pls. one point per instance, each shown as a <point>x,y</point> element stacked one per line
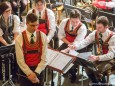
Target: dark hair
<point>103,20</point>
<point>75,14</point>
<point>31,17</point>
<point>42,1</point>
<point>3,6</point>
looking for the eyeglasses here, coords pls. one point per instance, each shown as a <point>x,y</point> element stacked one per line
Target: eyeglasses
<point>32,25</point>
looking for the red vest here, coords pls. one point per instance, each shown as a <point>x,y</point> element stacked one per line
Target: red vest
<point>105,43</point>
<point>102,7</point>
<point>32,52</point>
<point>71,35</point>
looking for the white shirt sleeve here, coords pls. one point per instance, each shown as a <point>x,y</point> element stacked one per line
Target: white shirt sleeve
<point>61,32</point>
<point>52,24</point>
<point>88,40</point>
<point>20,57</point>
<point>41,66</point>
<point>111,52</point>
<point>81,33</point>
<point>16,24</point>
<point>110,4</point>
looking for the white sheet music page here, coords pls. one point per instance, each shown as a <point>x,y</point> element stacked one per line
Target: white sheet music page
<point>51,54</point>
<point>85,55</point>
<point>73,52</point>
<point>60,61</point>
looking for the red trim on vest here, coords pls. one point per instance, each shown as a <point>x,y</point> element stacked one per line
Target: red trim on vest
<point>95,3</point>
<point>44,27</point>
<point>32,59</point>
<point>105,43</point>
<point>71,35</point>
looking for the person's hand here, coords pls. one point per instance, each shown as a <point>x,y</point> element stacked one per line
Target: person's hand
<point>102,3</point>
<point>33,78</point>
<point>93,58</point>
<point>72,47</point>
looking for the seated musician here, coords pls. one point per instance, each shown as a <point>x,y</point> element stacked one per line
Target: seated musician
<point>106,5</point>
<point>110,4</point>
<point>9,30</point>
<point>31,48</point>
<point>105,44</point>
<point>46,19</point>
<point>72,30</point>
<point>9,24</point>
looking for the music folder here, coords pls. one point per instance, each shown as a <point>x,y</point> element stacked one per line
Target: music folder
<point>82,59</point>
<point>59,61</point>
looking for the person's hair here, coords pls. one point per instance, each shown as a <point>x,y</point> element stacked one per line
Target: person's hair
<point>75,14</point>
<point>4,5</point>
<point>31,17</point>
<point>102,20</point>
<point>42,1</point>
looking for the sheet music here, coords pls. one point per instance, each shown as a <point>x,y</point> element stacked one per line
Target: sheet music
<point>73,52</point>
<point>60,61</point>
<point>84,55</point>
<point>51,54</point>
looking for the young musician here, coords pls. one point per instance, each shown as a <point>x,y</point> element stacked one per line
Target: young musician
<point>9,30</point>
<point>105,42</point>
<point>71,30</point>
<point>31,48</point>
<point>9,24</point>
<point>46,18</point>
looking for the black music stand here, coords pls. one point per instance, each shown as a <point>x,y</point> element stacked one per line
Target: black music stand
<point>6,52</point>
<point>85,63</point>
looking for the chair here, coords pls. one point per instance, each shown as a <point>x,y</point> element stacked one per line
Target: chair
<point>109,69</point>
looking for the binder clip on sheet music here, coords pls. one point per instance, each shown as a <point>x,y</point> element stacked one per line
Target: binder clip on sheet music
<point>59,61</point>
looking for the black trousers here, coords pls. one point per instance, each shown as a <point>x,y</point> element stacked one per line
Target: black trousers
<point>26,82</point>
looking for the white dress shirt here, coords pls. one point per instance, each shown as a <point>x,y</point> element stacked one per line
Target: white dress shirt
<point>80,34</point>
<point>52,23</point>
<point>20,57</point>
<point>16,27</point>
<point>91,38</point>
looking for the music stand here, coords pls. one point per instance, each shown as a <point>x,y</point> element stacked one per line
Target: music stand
<point>6,52</point>
<point>87,64</point>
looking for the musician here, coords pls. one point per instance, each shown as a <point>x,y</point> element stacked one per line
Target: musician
<point>46,19</point>
<point>105,42</point>
<point>9,24</point>
<point>110,4</point>
<point>72,30</point>
<point>31,48</point>
<point>9,30</point>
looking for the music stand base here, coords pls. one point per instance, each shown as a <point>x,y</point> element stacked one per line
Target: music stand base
<point>9,81</point>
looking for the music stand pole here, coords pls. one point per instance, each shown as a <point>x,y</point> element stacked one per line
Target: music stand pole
<point>10,76</point>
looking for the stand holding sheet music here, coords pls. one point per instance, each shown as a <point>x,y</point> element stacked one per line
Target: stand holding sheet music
<point>59,61</point>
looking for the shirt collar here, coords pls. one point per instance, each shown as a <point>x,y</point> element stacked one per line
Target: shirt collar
<point>29,34</point>
<point>106,33</point>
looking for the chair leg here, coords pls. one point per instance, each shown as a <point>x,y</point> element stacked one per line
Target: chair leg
<point>107,79</point>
